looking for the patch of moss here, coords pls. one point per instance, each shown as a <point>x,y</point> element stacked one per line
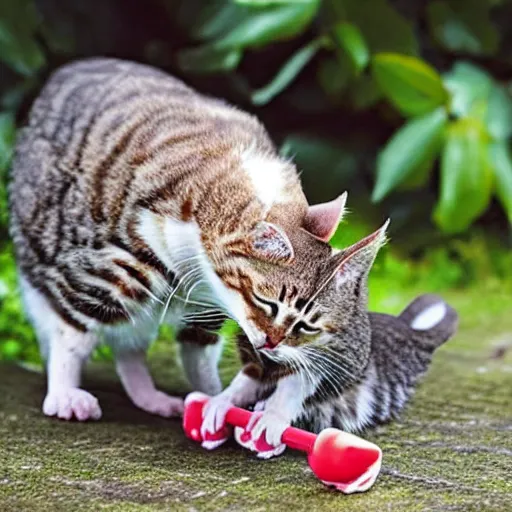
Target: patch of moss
<point>451,450</point>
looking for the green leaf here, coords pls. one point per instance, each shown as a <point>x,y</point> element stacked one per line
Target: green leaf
<point>499,113</point>
<point>419,177</point>
<point>466,176</point>
<point>208,59</point>
<point>410,84</point>
<point>363,92</point>
<point>275,23</point>
<point>409,147</point>
<point>333,77</point>
<point>502,165</point>
<point>351,40</point>
<point>287,73</point>
<point>208,20</point>
<point>468,85</point>
<point>382,27</point>
<point>266,3</point>
<point>19,49</point>
<point>7,134</point>
<point>463,26</point>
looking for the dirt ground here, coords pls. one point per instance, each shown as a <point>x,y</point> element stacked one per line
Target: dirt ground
<point>451,450</point>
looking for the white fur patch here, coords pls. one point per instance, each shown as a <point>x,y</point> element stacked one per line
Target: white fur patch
<point>200,365</point>
<point>178,245</point>
<point>266,175</point>
<point>429,317</point>
<point>365,400</point>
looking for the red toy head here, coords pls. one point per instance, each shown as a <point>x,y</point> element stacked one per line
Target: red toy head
<point>345,461</point>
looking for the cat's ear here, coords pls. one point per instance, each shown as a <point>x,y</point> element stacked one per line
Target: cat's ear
<point>323,219</point>
<point>267,243</point>
<point>358,259</point>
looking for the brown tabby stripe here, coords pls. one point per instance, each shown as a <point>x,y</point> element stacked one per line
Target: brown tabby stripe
<point>65,313</point>
<point>167,191</point>
<point>111,277</point>
<point>61,197</point>
<point>141,251</point>
<point>133,272</point>
<point>99,175</point>
<point>95,292</point>
<point>64,106</point>
<point>112,313</point>
<point>94,120</point>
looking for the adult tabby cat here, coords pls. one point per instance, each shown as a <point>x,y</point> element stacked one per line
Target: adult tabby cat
<point>135,200</point>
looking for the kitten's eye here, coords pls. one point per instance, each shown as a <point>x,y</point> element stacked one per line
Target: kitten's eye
<point>303,327</point>
<point>271,308</point>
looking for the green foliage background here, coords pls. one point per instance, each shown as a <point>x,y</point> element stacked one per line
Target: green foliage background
<point>405,103</point>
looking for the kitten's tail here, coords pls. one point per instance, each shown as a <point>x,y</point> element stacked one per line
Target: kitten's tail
<point>432,319</point>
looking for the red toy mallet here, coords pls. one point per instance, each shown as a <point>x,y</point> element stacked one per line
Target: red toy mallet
<point>337,458</point>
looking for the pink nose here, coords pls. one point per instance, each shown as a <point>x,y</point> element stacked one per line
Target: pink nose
<point>271,343</point>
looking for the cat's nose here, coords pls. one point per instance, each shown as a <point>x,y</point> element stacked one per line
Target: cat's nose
<point>271,342</point>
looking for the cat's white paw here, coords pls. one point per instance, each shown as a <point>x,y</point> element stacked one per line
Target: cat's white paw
<point>271,424</point>
<point>72,403</point>
<point>260,406</point>
<point>159,403</point>
<point>214,414</point>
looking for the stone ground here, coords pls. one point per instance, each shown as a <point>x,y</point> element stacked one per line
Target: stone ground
<point>452,449</point>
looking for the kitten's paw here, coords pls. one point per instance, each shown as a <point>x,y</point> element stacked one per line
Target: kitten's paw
<point>159,403</point>
<point>271,424</point>
<point>263,434</point>
<point>72,403</point>
<point>214,415</point>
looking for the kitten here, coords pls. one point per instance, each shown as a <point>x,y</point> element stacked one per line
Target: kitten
<point>326,349</point>
<point>354,370</point>
<point>134,201</point>
<point>401,351</point>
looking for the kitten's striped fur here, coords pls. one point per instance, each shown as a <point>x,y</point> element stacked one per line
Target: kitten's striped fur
<point>401,351</point>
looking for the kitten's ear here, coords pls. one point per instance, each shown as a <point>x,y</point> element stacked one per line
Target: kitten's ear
<point>323,219</point>
<point>358,258</point>
<point>266,243</point>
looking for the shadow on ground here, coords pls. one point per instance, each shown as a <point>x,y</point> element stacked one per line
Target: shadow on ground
<point>452,450</point>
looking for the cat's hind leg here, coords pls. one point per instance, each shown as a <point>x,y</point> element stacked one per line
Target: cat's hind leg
<point>139,385</point>
<point>65,349</point>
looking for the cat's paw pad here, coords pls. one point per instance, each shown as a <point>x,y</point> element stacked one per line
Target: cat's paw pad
<point>72,403</point>
<point>263,434</point>
<point>159,403</point>
<point>214,415</point>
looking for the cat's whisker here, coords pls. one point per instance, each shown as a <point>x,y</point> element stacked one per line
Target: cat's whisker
<point>334,362</point>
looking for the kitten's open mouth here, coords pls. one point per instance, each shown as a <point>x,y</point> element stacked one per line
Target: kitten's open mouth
<point>269,346</point>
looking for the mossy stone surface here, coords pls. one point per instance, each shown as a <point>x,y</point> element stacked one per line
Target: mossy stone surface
<point>451,450</point>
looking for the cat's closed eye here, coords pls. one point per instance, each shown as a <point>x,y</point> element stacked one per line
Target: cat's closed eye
<point>302,327</point>
<point>270,308</point>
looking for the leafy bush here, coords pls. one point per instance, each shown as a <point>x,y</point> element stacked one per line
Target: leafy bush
<point>368,50</point>
<point>405,103</point>
<point>334,55</point>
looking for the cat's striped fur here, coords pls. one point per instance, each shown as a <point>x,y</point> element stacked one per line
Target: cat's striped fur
<point>136,200</point>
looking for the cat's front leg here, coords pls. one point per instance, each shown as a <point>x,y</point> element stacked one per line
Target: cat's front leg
<point>242,391</point>
<point>200,351</point>
<point>271,418</point>
<point>68,349</point>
